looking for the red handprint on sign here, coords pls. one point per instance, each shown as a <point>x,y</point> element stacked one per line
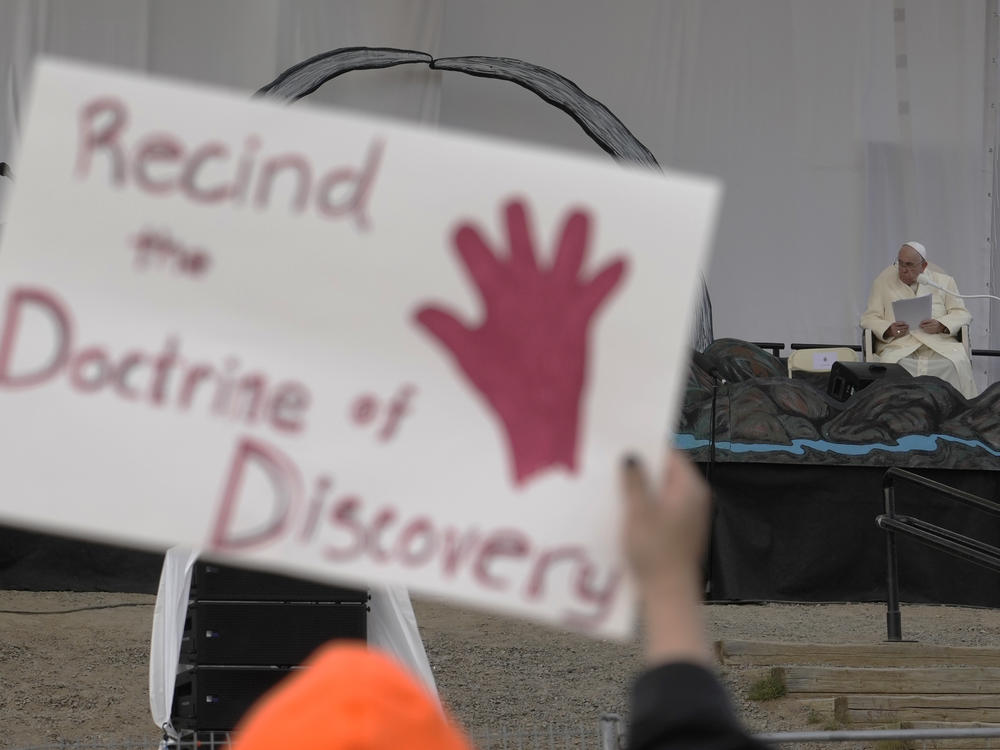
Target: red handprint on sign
<point>528,357</point>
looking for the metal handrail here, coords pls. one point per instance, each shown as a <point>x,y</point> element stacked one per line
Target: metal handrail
<point>853,347</point>
<point>946,540</point>
<point>775,346</point>
<point>990,506</point>
<point>955,544</point>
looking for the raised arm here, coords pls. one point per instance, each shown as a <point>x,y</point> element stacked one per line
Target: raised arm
<point>677,702</point>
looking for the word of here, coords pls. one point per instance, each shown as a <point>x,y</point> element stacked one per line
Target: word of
<point>212,173</point>
<point>159,249</point>
<point>161,379</point>
<point>366,408</point>
<point>347,529</point>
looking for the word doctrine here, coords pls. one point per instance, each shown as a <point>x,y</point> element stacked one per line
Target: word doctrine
<point>161,379</point>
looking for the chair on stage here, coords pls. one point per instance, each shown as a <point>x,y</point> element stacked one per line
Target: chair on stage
<point>819,359</point>
<point>868,343</point>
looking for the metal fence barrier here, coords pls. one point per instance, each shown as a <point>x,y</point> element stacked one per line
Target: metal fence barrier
<point>609,734</point>
<point>885,735</point>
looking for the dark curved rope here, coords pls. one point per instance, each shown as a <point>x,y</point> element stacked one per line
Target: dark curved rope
<point>596,120</point>
<point>305,77</point>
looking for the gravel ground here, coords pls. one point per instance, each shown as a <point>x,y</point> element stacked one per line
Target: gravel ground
<point>83,675</point>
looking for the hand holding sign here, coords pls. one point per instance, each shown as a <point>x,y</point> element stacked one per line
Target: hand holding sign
<point>528,358</point>
<point>664,533</point>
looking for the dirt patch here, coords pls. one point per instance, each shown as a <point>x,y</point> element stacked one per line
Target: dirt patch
<point>82,675</point>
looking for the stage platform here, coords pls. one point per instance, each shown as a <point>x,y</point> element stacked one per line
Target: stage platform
<point>797,478</point>
<point>806,533</point>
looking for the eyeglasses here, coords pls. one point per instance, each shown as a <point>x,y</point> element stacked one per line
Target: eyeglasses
<point>906,265</point>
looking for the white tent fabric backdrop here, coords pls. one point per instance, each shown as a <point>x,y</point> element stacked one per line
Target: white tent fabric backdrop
<point>839,129</point>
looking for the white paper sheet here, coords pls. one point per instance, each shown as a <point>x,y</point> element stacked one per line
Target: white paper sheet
<point>912,311</point>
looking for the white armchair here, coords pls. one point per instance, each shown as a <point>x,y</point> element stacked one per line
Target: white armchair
<point>868,343</point>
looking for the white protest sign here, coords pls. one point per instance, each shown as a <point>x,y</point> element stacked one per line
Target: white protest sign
<point>335,345</point>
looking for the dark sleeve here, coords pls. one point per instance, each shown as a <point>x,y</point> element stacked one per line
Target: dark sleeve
<point>684,706</point>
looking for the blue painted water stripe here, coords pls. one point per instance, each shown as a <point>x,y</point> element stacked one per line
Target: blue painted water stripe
<point>904,444</point>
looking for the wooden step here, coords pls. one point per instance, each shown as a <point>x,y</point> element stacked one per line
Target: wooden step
<point>764,653</point>
<point>965,743</point>
<point>824,706</point>
<point>941,680</point>
<point>972,743</point>
<point>956,725</point>
<point>869,709</point>
<point>884,685</point>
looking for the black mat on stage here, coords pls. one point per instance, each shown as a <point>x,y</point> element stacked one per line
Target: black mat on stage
<point>807,533</point>
<point>31,561</point>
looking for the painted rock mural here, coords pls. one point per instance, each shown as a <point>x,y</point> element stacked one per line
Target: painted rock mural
<point>763,415</point>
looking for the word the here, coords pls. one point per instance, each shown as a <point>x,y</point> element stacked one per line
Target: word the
<point>214,172</point>
<point>160,379</point>
<point>160,250</point>
<point>347,529</point>
<point>367,408</point>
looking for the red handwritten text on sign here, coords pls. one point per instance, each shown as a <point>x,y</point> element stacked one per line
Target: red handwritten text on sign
<point>157,249</point>
<point>347,528</point>
<point>160,379</point>
<point>214,172</point>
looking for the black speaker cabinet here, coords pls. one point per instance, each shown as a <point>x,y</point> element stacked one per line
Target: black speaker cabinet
<point>224,583</point>
<point>266,633</point>
<point>846,378</point>
<point>214,698</point>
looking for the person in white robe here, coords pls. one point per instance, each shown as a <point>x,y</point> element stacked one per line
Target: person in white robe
<point>931,349</point>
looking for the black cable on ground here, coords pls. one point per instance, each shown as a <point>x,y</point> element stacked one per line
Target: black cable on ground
<point>77,609</point>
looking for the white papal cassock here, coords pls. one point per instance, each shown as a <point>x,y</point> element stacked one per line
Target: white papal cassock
<point>938,354</point>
